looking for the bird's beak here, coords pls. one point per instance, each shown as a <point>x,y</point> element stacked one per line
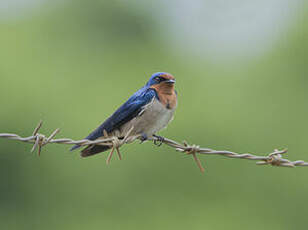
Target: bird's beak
<point>170,81</point>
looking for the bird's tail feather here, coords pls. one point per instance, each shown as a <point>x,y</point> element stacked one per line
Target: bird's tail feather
<point>94,149</point>
<point>75,147</point>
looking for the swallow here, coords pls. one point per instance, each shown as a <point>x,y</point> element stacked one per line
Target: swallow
<point>146,112</point>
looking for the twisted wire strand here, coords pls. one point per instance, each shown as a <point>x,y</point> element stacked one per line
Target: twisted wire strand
<point>39,140</point>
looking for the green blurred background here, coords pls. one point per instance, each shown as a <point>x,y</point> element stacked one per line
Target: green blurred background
<point>241,69</point>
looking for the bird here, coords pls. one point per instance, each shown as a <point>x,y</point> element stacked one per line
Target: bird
<point>145,113</point>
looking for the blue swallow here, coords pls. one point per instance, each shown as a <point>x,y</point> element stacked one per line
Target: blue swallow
<point>146,112</point>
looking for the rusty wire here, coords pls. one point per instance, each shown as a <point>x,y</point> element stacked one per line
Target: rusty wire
<point>39,140</point>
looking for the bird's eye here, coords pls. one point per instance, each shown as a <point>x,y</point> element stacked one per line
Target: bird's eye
<point>157,79</point>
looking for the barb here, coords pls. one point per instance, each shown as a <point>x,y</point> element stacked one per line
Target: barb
<point>274,158</point>
<point>39,140</point>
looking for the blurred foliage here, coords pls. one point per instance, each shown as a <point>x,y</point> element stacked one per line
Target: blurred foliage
<point>73,64</point>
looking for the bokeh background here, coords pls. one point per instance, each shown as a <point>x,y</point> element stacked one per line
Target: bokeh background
<point>242,78</point>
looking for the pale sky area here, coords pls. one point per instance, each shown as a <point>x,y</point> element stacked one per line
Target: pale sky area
<point>16,8</point>
<point>216,29</point>
<point>226,29</point>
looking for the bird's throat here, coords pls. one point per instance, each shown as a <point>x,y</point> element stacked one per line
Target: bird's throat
<point>164,88</point>
<point>166,94</point>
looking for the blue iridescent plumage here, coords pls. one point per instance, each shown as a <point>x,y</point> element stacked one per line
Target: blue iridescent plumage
<point>129,110</point>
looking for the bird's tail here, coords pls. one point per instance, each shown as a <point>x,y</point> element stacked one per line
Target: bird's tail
<point>91,149</point>
<point>94,149</point>
<point>75,147</point>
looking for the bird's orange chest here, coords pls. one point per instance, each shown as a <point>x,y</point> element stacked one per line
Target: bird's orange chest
<point>166,95</point>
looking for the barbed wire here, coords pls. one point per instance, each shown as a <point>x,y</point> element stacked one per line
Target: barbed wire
<point>39,140</point>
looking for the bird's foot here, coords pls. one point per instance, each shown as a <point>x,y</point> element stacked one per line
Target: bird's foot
<point>159,140</point>
<point>143,138</point>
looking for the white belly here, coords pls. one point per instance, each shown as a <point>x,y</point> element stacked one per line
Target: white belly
<point>152,119</point>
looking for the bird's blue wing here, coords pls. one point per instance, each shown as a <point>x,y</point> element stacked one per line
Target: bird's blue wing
<point>125,113</point>
<point>130,109</point>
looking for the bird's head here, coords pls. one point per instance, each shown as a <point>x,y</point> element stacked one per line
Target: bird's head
<point>161,79</point>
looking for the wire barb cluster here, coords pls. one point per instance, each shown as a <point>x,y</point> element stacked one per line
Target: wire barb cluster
<point>275,158</point>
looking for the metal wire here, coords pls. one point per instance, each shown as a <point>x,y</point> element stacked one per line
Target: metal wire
<point>40,140</point>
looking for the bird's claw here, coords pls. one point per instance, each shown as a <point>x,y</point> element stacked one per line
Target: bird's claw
<point>143,138</point>
<point>159,140</point>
